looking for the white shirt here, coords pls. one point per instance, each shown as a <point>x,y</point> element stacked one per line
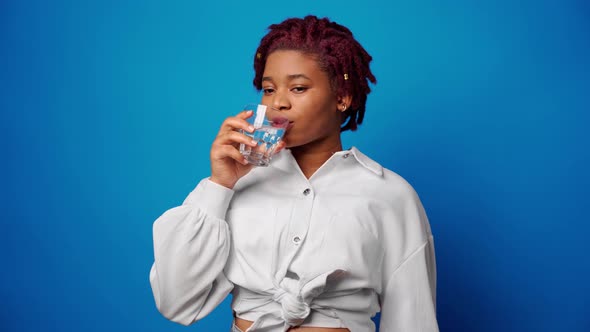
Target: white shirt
<point>330,251</point>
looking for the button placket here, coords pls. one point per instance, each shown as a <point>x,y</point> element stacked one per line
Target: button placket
<point>297,239</point>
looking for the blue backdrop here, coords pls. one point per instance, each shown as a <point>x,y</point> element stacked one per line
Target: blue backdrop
<point>109,109</point>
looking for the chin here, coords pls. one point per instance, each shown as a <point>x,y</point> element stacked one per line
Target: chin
<point>289,145</point>
<point>292,142</point>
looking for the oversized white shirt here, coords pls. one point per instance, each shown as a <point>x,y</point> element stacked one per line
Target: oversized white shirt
<point>330,251</point>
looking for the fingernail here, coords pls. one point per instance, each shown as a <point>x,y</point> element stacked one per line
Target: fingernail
<point>254,143</point>
<point>250,128</point>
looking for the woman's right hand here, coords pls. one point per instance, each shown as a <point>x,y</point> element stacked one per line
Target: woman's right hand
<point>228,165</point>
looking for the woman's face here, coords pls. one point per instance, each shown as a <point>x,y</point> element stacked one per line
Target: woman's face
<point>296,88</point>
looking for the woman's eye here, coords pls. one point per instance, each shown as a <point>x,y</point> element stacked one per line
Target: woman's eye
<point>299,89</point>
<point>268,91</point>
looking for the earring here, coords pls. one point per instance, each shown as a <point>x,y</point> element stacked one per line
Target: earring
<point>343,108</point>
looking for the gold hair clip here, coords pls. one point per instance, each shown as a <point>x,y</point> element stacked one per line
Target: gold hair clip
<point>258,55</point>
<point>346,77</point>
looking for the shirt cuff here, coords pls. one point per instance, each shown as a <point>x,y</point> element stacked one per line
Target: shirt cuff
<point>215,199</point>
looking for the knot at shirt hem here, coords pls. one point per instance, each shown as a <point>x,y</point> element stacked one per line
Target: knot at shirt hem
<point>296,300</point>
<point>295,310</point>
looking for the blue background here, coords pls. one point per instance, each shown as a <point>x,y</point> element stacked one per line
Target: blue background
<point>109,109</point>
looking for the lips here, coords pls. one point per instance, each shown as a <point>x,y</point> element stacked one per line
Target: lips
<point>281,122</point>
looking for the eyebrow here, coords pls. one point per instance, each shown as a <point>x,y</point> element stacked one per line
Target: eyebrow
<point>289,77</point>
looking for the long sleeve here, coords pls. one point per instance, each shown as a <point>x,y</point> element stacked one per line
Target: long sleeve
<point>409,299</point>
<point>408,294</point>
<point>191,247</point>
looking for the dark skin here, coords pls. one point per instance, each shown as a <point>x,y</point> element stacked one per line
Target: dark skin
<point>243,325</point>
<point>294,87</point>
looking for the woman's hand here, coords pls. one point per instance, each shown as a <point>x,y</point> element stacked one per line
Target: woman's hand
<point>228,165</point>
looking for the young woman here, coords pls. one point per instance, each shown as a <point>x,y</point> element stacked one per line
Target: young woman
<point>323,238</point>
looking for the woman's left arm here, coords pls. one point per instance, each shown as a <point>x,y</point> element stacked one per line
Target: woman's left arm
<point>408,302</point>
<point>408,295</point>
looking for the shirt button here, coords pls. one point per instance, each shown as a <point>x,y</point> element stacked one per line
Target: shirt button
<point>296,240</point>
<point>306,191</point>
<point>345,155</point>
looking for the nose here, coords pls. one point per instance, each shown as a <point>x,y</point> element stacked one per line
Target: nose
<point>280,101</point>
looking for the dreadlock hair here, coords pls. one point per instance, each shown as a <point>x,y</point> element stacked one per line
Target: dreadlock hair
<point>338,54</point>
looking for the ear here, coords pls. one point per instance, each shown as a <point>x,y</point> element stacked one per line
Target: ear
<point>344,103</point>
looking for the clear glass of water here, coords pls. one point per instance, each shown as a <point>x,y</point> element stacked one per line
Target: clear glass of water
<point>267,134</point>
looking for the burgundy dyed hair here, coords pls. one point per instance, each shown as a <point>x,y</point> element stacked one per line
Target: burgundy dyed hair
<point>338,54</point>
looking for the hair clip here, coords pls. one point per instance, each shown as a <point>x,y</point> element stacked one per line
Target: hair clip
<point>346,77</point>
<point>258,55</point>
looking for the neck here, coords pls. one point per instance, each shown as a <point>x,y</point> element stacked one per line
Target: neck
<point>312,156</point>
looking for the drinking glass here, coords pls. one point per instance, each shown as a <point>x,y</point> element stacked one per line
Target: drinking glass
<point>267,134</point>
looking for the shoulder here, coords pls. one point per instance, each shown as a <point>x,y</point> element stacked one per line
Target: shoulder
<point>404,225</point>
<point>397,188</point>
<point>384,183</point>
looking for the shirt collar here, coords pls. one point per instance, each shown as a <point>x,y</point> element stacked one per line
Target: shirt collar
<point>367,162</point>
<point>284,160</point>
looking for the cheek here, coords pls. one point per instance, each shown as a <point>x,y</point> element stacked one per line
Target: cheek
<point>314,127</point>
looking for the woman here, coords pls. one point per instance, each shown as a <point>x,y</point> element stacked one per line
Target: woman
<point>323,238</point>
